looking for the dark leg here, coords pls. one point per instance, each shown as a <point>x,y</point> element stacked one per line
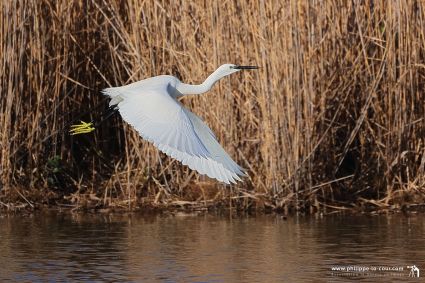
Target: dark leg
<point>108,113</point>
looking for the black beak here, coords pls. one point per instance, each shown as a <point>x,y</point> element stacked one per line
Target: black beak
<point>245,67</point>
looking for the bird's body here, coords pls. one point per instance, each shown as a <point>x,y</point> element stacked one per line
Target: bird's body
<point>152,108</point>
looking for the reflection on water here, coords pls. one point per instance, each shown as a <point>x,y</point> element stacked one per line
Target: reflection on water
<point>139,248</point>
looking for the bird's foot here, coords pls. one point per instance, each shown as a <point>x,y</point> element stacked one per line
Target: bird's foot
<point>82,128</point>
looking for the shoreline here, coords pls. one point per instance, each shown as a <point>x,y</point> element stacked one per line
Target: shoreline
<point>92,204</point>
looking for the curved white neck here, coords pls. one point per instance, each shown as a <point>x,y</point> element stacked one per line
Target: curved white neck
<point>187,89</point>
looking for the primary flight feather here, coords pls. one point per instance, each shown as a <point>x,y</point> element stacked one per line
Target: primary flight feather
<point>152,108</point>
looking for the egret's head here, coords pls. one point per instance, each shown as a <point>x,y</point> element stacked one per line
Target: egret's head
<point>222,71</point>
<point>228,69</point>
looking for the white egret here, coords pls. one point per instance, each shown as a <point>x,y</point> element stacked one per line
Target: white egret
<point>152,108</point>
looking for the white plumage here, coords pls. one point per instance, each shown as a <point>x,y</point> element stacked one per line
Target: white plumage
<point>152,108</point>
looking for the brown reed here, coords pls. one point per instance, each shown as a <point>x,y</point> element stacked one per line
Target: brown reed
<point>334,117</point>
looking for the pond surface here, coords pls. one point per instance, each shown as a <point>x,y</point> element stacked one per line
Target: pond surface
<point>57,247</point>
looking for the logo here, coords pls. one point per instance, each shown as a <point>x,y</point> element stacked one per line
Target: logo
<point>414,271</point>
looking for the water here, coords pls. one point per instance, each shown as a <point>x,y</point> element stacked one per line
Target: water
<point>67,247</point>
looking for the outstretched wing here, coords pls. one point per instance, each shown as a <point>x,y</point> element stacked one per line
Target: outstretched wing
<point>179,133</point>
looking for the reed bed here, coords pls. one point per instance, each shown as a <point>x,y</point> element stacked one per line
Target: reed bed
<point>333,119</point>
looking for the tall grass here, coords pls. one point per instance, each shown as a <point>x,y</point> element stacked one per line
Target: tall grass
<point>334,117</point>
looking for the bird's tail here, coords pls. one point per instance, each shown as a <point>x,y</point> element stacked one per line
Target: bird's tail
<point>114,94</point>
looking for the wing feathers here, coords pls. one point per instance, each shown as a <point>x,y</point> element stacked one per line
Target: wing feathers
<point>177,132</point>
<point>208,139</point>
<point>203,165</point>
